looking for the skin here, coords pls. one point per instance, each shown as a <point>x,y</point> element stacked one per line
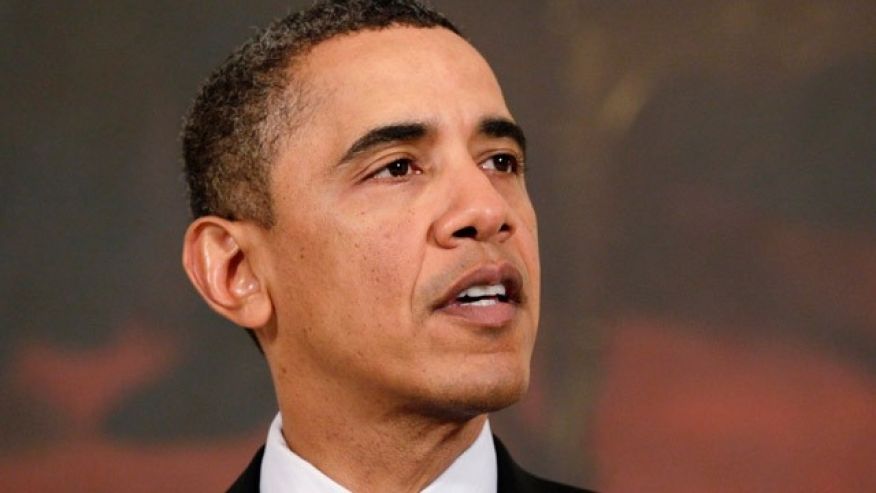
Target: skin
<point>342,290</point>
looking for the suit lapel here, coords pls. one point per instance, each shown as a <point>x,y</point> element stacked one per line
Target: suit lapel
<point>513,479</point>
<point>248,482</point>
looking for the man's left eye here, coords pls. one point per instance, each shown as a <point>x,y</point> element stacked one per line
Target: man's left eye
<point>503,163</point>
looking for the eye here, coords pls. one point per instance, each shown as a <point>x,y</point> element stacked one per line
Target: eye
<point>399,168</point>
<point>503,163</point>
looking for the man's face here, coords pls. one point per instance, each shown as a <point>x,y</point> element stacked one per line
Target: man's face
<point>397,193</point>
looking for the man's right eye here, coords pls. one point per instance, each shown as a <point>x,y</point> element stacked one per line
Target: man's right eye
<point>397,169</point>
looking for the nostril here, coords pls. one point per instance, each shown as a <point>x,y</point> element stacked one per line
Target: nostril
<point>505,228</point>
<point>467,232</point>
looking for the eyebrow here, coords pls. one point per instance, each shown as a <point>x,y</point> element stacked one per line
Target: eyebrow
<point>501,128</point>
<point>395,132</point>
<point>498,127</point>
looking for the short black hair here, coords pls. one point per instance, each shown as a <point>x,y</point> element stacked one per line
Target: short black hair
<point>252,101</point>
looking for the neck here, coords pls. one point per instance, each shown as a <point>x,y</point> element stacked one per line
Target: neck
<point>392,451</point>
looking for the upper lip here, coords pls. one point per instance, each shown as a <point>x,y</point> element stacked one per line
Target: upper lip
<point>486,274</point>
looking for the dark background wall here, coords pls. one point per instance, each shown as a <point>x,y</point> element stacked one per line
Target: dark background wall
<point>705,177</point>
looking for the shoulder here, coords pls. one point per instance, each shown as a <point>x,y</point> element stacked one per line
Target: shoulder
<point>513,479</point>
<point>248,482</point>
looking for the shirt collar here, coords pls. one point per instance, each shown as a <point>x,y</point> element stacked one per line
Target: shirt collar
<point>284,471</point>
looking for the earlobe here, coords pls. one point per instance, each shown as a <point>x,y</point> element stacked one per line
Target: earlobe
<point>223,271</point>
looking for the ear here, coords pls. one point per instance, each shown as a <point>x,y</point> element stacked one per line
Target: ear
<point>217,261</point>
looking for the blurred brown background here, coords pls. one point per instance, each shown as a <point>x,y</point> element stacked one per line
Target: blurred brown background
<point>705,177</point>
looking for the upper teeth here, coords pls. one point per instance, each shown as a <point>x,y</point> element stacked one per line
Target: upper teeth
<point>483,291</point>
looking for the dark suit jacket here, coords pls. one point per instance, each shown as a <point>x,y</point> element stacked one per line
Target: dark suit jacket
<point>512,479</point>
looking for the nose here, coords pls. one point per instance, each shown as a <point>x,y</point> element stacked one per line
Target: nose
<point>476,211</point>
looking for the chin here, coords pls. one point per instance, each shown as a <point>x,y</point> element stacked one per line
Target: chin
<point>468,396</point>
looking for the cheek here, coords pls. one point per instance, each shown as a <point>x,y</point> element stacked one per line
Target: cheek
<point>375,264</point>
<point>343,291</point>
<point>528,235</point>
<point>367,262</point>
<point>528,247</point>
<point>385,258</point>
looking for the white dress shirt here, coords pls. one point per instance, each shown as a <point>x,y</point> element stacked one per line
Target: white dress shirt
<point>284,471</point>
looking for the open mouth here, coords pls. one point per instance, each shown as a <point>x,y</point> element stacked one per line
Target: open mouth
<point>486,286</point>
<point>483,295</point>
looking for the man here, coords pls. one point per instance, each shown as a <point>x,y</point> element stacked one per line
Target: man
<point>357,183</point>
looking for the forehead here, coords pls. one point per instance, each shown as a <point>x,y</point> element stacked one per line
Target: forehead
<point>370,78</point>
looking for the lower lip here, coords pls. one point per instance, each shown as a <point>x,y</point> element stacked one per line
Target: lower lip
<point>496,315</point>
